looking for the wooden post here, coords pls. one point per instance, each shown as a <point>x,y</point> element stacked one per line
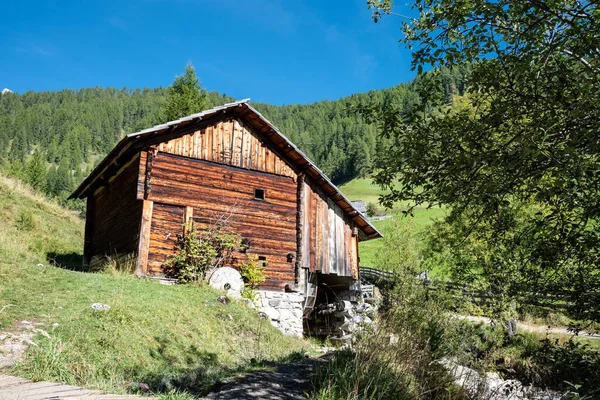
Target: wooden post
<point>189,213</point>
<point>89,231</point>
<point>299,227</point>
<point>152,151</point>
<point>141,268</point>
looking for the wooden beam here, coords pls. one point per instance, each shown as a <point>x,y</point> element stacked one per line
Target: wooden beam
<point>299,226</point>
<point>141,267</point>
<point>150,154</point>
<point>189,213</point>
<point>89,231</point>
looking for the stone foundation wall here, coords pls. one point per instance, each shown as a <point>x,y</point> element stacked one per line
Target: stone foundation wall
<point>284,310</point>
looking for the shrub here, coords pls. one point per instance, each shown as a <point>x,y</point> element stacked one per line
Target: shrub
<point>253,274</point>
<point>26,221</point>
<point>196,254</point>
<point>371,209</point>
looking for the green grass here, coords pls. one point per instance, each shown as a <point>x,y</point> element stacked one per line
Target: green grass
<point>364,189</point>
<point>169,337</point>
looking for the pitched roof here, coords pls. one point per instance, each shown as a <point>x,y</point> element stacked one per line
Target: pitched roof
<point>277,141</point>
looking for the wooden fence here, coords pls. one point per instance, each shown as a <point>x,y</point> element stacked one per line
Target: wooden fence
<point>466,292</point>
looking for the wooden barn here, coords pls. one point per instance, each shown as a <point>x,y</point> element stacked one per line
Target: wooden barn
<point>231,161</point>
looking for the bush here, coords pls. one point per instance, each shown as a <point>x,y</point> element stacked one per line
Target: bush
<point>253,274</point>
<point>196,254</point>
<point>371,209</point>
<point>26,221</point>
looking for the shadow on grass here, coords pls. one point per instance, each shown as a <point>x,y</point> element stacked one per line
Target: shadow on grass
<point>200,373</point>
<point>72,261</point>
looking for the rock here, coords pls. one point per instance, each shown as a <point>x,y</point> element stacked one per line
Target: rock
<point>144,388</point>
<point>272,313</point>
<point>223,299</point>
<point>275,302</point>
<point>262,315</point>
<point>100,307</point>
<point>491,386</point>
<point>285,315</point>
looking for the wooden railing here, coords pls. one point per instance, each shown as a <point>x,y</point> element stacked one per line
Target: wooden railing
<point>468,292</point>
<point>376,276</point>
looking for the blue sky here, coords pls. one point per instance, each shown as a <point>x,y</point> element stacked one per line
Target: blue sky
<point>276,51</point>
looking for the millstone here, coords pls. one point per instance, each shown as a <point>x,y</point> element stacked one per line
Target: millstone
<point>228,279</point>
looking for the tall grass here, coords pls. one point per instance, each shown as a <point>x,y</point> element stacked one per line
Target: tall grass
<point>398,360</point>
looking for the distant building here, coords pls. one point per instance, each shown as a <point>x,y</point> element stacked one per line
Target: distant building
<point>360,206</point>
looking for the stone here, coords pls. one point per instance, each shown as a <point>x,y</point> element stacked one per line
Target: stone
<point>285,315</point>
<point>275,302</point>
<point>295,298</point>
<point>99,307</point>
<point>271,313</point>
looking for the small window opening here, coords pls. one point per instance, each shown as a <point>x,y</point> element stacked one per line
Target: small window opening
<point>263,261</point>
<point>259,194</point>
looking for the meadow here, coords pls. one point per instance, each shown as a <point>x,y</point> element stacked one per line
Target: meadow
<point>364,189</point>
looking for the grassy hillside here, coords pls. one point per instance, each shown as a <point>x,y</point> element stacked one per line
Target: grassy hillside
<point>165,336</point>
<point>364,189</point>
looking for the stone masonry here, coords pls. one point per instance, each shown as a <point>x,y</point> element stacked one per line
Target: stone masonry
<point>284,310</point>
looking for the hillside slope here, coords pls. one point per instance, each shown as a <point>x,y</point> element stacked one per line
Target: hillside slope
<point>168,337</point>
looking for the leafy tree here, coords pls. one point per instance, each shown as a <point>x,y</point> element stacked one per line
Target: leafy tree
<point>185,96</point>
<point>517,159</point>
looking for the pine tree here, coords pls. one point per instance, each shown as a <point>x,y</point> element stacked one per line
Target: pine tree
<point>35,173</point>
<point>185,96</point>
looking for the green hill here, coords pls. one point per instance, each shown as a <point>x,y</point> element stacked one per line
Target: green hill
<point>164,336</point>
<point>366,190</point>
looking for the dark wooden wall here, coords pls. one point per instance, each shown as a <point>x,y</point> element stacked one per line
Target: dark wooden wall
<point>329,245</point>
<point>167,223</point>
<point>213,193</point>
<point>113,217</point>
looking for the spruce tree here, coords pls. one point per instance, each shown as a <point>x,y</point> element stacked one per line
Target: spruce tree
<point>185,97</point>
<point>36,171</point>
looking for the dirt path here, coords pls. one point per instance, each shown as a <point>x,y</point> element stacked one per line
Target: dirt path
<point>531,328</point>
<point>13,345</point>
<point>285,381</point>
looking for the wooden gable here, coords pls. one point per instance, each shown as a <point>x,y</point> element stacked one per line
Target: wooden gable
<point>229,142</point>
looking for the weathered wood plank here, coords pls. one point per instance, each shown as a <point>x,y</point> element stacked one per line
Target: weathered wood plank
<point>219,192</point>
<point>18,388</point>
<point>144,240</point>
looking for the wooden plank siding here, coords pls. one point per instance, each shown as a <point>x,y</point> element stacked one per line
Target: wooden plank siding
<point>113,222</point>
<point>328,239</point>
<point>215,193</point>
<point>167,223</point>
<point>229,142</point>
